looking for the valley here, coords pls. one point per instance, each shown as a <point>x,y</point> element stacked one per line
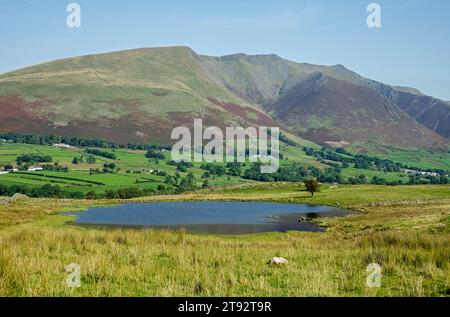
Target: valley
<point>95,132</point>
<point>79,172</point>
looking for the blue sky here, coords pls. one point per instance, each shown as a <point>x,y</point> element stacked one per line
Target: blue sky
<point>412,48</point>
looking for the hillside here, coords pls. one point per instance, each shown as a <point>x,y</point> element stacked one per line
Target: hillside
<point>263,79</point>
<point>141,95</point>
<point>325,109</point>
<point>428,111</point>
<point>137,95</point>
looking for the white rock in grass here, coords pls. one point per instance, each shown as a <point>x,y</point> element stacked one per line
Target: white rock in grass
<point>278,261</point>
<point>10,200</point>
<point>18,198</point>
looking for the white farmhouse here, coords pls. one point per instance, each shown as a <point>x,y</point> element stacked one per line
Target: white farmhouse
<point>62,145</point>
<point>35,169</point>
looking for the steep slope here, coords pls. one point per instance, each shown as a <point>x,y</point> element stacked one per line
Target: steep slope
<point>428,111</point>
<point>137,95</point>
<point>325,109</point>
<point>262,79</point>
<point>431,112</point>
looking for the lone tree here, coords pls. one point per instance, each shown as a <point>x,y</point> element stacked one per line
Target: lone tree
<point>312,185</point>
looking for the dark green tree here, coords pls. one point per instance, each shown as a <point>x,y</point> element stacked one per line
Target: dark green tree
<point>312,185</point>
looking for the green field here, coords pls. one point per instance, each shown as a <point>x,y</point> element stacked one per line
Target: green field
<point>421,158</point>
<point>134,170</point>
<point>390,177</point>
<point>417,158</point>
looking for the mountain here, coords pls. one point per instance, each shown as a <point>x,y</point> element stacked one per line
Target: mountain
<point>137,95</point>
<point>431,112</point>
<point>325,109</point>
<point>141,95</point>
<point>262,79</point>
<point>428,111</point>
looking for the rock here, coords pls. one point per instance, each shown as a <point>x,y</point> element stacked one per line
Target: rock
<point>18,197</point>
<point>278,261</point>
<point>10,200</point>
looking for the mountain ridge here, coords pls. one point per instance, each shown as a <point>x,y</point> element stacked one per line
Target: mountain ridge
<point>139,95</point>
<point>358,114</point>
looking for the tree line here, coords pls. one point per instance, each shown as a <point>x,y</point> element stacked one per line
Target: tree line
<point>362,161</point>
<point>77,142</point>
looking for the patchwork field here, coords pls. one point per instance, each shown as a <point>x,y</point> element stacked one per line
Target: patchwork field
<point>418,158</point>
<point>132,169</point>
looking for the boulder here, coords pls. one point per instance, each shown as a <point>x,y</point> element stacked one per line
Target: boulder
<point>19,197</point>
<point>276,261</point>
<point>10,200</point>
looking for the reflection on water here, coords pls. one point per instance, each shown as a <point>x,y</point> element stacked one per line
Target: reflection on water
<point>228,218</point>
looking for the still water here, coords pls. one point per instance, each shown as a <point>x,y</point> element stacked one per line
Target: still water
<point>228,218</point>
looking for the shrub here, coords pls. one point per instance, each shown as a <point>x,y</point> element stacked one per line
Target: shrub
<point>312,185</point>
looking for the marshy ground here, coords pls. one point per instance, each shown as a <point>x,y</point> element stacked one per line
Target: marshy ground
<point>404,229</point>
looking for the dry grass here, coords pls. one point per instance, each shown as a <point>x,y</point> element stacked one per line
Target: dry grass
<point>410,241</point>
